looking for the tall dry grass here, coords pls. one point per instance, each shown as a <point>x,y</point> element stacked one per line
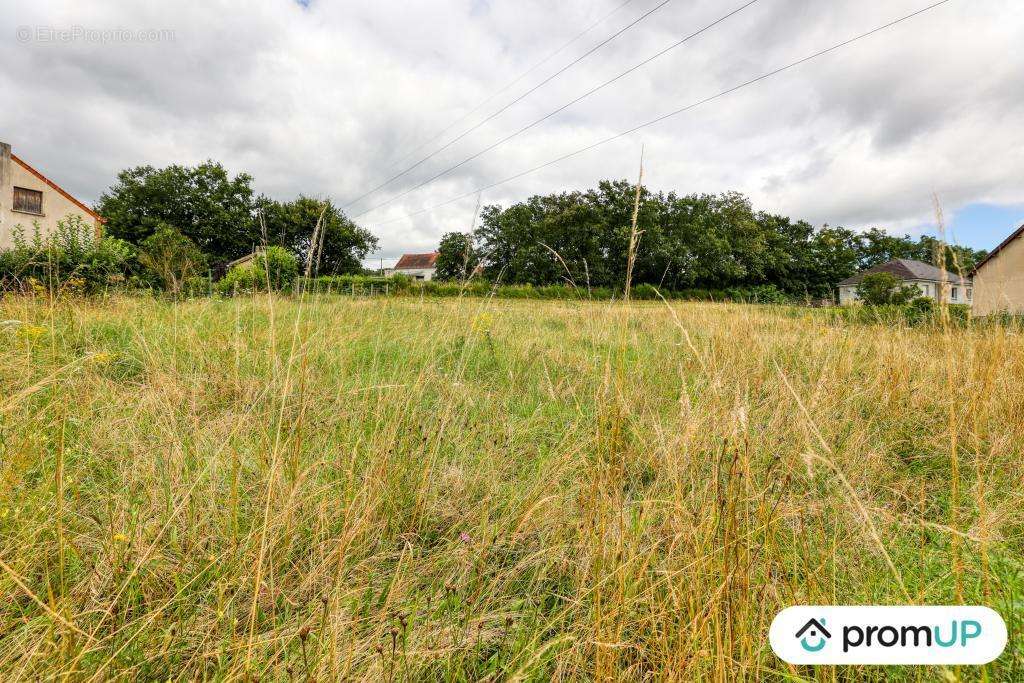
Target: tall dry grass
<point>336,489</point>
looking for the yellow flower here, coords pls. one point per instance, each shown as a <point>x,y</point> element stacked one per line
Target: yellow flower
<point>31,332</point>
<point>120,538</point>
<point>483,322</point>
<point>101,358</point>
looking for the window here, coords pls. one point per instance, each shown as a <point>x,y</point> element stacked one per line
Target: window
<point>28,201</point>
<point>969,293</point>
<point>954,294</point>
<point>926,289</point>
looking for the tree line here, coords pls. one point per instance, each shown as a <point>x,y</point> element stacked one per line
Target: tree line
<point>695,241</point>
<point>166,226</point>
<point>220,217</point>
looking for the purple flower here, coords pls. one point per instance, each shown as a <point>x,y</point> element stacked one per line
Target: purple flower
<point>465,538</point>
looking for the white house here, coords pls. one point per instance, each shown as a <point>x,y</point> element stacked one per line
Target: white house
<point>933,282</point>
<point>416,266</point>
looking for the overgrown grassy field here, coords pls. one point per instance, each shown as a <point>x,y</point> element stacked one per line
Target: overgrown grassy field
<point>414,489</point>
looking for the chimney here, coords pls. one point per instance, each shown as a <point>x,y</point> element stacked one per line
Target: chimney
<point>6,194</point>
<point>5,171</point>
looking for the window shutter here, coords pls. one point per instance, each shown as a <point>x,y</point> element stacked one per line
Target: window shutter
<point>30,201</point>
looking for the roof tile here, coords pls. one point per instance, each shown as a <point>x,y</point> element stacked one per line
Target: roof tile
<point>908,269</point>
<point>417,261</point>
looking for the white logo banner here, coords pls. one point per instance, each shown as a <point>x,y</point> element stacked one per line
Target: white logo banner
<point>888,635</point>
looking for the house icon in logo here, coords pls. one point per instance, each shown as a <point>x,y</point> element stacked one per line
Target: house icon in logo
<point>815,631</point>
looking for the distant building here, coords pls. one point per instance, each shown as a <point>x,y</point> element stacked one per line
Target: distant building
<point>245,260</point>
<point>416,266</point>
<point>999,278</point>
<point>933,282</point>
<point>28,198</point>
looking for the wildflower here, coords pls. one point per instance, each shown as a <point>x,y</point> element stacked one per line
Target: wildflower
<point>31,332</point>
<point>101,358</point>
<point>483,322</point>
<point>465,538</point>
<point>120,538</point>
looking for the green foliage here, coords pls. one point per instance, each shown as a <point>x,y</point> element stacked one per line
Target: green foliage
<point>456,257</point>
<point>432,472</point>
<point>204,203</point>
<point>699,241</point>
<point>343,244</point>
<point>921,312</point>
<point>171,258</point>
<point>959,313</point>
<point>71,259</point>
<point>885,289</point>
<point>275,266</point>
<point>695,241</point>
<point>241,280</point>
<point>280,266</point>
<point>924,305</point>
<point>357,284</point>
<point>401,285</point>
<point>222,217</point>
<point>876,246</point>
<point>197,286</point>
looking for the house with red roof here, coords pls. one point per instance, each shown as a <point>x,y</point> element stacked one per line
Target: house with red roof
<point>29,199</point>
<point>416,266</point>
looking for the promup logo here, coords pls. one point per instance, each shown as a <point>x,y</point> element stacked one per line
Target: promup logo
<point>817,633</point>
<point>888,635</point>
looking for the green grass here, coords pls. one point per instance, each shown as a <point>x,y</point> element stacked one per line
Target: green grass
<point>465,489</point>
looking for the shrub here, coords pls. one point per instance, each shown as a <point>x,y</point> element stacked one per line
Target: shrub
<point>884,289</point>
<point>171,257</point>
<point>71,259</point>
<point>923,304</point>
<point>278,265</point>
<point>356,284</point>
<point>457,257</point>
<point>241,280</point>
<point>768,294</point>
<point>275,265</point>
<point>922,311</point>
<point>197,286</point>
<point>959,313</point>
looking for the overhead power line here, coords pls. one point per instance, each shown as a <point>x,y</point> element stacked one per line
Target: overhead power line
<point>510,104</point>
<point>565,106</point>
<point>671,114</point>
<point>517,79</point>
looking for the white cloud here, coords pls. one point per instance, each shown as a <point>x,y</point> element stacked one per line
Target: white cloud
<point>329,99</point>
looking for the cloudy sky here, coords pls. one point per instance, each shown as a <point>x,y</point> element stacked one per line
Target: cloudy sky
<point>332,98</point>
